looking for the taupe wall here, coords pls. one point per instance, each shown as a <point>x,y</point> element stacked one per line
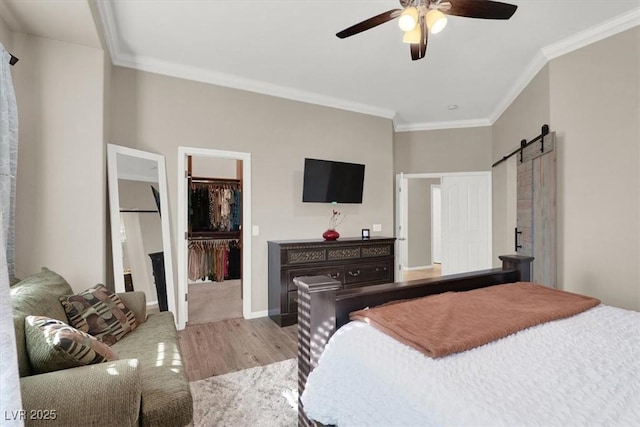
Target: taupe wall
<point>210,167</point>
<point>6,35</point>
<point>419,221</point>
<point>447,150</point>
<point>158,113</point>
<point>594,105</point>
<point>60,202</point>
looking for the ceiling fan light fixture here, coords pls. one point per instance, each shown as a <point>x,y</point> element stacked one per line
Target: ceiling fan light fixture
<point>412,36</point>
<point>436,21</point>
<point>408,19</point>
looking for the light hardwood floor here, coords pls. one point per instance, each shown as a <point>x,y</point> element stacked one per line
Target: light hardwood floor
<point>422,274</point>
<point>232,345</point>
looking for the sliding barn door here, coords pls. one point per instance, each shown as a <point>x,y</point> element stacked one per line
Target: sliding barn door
<point>535,234</point>
<point>466,223</point>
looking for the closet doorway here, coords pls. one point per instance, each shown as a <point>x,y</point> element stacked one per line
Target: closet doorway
<point>214,221</point>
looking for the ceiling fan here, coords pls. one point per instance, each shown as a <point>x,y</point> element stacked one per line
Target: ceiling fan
<point>419,17</point>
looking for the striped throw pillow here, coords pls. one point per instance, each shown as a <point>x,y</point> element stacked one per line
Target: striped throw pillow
<point>53,345</point>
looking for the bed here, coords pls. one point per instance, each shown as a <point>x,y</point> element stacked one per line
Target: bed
<point>579,370</point>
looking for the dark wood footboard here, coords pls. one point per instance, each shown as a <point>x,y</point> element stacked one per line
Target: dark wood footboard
<point>323,307</point>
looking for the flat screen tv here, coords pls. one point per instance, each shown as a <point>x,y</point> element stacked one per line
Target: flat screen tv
<point>326,181</point>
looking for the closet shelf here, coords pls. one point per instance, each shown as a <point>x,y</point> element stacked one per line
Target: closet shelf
<point>197,235</point>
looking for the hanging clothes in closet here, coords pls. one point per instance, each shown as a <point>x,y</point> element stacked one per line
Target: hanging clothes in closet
<point>215,259</point>
<point>215,205</point>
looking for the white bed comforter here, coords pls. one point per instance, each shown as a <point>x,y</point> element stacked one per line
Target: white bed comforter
<point>584,370</point>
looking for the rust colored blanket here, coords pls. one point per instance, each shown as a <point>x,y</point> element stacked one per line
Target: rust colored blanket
<point>452,322</point>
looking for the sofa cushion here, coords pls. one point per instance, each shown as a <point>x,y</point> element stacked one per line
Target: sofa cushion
<point>99,312</point>
<point>53,345</point>
<point>166,397</point>
<point>36,295</point>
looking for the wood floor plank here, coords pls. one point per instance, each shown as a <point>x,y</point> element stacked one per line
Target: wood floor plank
<point>231,345</point>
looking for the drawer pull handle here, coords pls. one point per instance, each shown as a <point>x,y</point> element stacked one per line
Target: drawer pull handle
<point>357,273</point>
<point>334,276</point>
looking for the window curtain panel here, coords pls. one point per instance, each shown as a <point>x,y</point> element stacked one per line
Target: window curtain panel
<point>10,398</point>
<point>8,157</point>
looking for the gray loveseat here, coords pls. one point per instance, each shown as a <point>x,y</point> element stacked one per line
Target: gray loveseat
<point>146,386</point>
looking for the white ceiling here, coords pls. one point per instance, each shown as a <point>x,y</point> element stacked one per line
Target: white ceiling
<point>288,48</point>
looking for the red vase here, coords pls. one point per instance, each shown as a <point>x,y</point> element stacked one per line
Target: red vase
<point>330,235</point>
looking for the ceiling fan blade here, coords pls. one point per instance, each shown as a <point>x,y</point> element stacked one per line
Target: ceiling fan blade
<point>424,36</point>
<point>369,23</point>
<point>418,50</point>
<point>480,9</point>
<point>415,51</point>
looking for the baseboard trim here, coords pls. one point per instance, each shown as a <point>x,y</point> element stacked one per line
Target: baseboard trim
<point>422,267</point>
<point>258,314</point>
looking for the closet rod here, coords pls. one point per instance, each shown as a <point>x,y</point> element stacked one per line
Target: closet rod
<point>209,239</point>
<point>210,180</point>
<point>524,144</point>
<point>138,210</point>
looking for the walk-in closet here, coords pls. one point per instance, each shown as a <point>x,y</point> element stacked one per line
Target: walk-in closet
<point>214,243</point>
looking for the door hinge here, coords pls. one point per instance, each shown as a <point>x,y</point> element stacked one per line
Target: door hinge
<point>186,235</point>
<point>185,297</point>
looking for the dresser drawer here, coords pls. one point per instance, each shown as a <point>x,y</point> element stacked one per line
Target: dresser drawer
<point>367,273</point>
<point>336,273</point>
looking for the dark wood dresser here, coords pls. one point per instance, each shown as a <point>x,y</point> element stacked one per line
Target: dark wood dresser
<point>352,261</point>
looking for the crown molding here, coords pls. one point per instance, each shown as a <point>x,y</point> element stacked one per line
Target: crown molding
<point>105,12</point>
<point>547,53</point>
<point>412,127</point>
<point>227,80</point>
<point>591,35</point>
<point>108,27</point>
<point>584,38</point>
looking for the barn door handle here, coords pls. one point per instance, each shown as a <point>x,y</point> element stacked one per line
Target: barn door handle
<point>516,238</point>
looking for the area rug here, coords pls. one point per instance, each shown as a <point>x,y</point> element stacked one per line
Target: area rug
<point>262,396</point>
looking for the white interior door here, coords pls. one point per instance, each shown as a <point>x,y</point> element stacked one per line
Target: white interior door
<point>436,225</point>
<point>466,222</point>
<point>401,225</point>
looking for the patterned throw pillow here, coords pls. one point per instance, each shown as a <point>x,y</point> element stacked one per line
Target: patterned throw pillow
<point>53,345</point>
<point>101,313</point>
